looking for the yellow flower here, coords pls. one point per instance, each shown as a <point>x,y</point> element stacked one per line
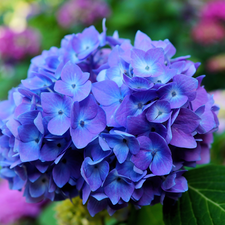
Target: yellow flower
<point>75,213</point>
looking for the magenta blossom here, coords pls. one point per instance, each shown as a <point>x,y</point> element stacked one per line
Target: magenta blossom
<point>82,12</point>
<point>13,205</point>
<point>208,32</point>
<point>214,10</point>
<point>16,46</point>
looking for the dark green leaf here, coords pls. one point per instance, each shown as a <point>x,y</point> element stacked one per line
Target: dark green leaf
<point>147,215</point>
<point>203,203</point>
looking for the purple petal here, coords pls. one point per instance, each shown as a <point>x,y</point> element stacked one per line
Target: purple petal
<point>154,55</point>
<point>72,74</point>
<point>121,151</point>
<point>29,151</point>
<point>61,174</point>
<point>137,83</point>
<point>143,158</point>
<point>82,91</point>
<point>182,140</point>
<point>162,162</point>
<point>110,111</point>
<point>94,206</point>
<point>52,103</point>
<point>139,38</point>
<point>98,124</point>
<point>52,149</point>
<point>115,74</point>
<point>88,108</point>
<point>28,133</point>
<point>37,189</point>
<point>94,173</point>
<point>39,123</point>
<point>116,188</point>
<point>106,92</point>
<point>127,108</point>
<point>81,137</point>
<point>59,125</point>
<point>158,112</point>
<point>186,120</point>
<point>127,169</point>
<point>133,145</point>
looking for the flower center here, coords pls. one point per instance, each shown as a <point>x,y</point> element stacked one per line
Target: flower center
<point>60,112</point>
<point>140,105</point>
<point>173,94</point>
<point>159,113</point>
<point>36,140</point>
<point>154,152</point>
<point>147,68</point>
<point>59,145</point>
<point>153,129</point>
<point>73,86</point>
<point>81,123</point>
<point>43,180</point>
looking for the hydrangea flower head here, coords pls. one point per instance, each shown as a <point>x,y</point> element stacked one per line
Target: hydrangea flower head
<point>108,121</point>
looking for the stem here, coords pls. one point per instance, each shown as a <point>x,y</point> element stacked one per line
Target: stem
<point>102,220</point>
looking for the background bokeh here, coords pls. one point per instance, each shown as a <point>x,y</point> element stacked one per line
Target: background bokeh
<point>195,27</point>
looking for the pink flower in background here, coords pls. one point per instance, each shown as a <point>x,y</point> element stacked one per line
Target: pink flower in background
<point>13,205</point>
<point>219,98</point>
<point>214,10</point>
<point>16,46</point>
<point>85,12</point>
<point>208,32</point>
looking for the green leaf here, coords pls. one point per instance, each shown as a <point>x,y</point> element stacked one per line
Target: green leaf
<point>203,203</point>
<point>48,215</point>
<point>147,215</point>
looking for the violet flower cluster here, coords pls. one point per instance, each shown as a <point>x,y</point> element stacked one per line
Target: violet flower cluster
<point>83,12</point>
<point>18,45</point>
<point>106,120</point>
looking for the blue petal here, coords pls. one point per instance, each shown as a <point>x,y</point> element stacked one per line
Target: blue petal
<point>121,151</point>
<point>158,112</point>
<point>117,187</point>
<point>29,151</point>
<point>106,92</point>
<point>39,187</point>
<point>61,174</point>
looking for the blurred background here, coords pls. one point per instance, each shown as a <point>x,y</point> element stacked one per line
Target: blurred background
<point>195,27</point>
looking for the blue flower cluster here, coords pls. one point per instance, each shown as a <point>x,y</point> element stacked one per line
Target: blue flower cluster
<point>111,122</point>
